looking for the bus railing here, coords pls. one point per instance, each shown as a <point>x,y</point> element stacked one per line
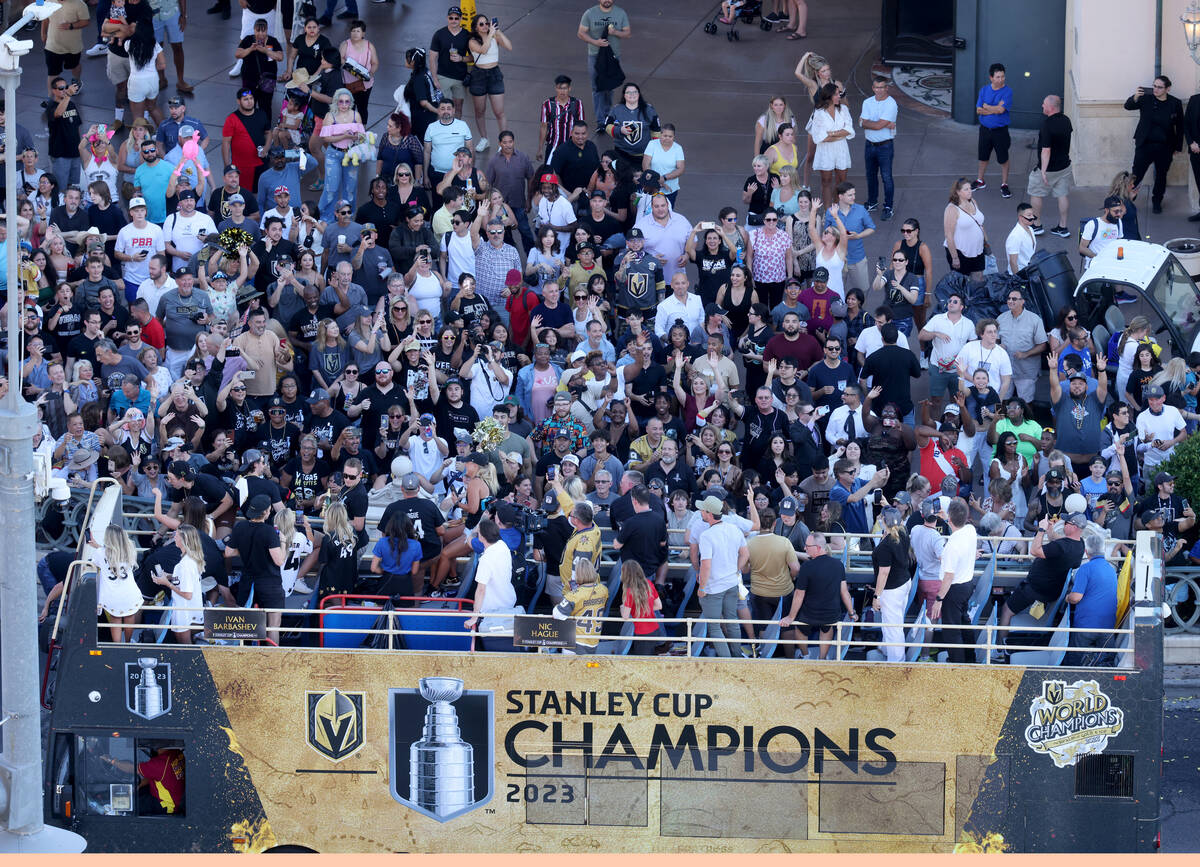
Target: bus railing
<point>689,638</point>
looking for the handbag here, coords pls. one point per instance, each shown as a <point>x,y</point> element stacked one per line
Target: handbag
<point>356,86</point>
<point>266,84</point>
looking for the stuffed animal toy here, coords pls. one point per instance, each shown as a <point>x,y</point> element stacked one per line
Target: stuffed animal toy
<point>363,150</point>
<point>191,153</point>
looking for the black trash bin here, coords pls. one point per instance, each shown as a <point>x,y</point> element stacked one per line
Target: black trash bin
<point>1052,283</point>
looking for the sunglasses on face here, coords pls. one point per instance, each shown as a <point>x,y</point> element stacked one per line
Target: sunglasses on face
<point>352,370</point>
<point>237,390</point>
<point>899,259</point>
<point>350,478</point>
<point>383,370</point>
<point>907,231</point>
<point>275,412</point>
<point>456,222</point>
<point>770,219</point>
<point>404,174</point>
<point>395,415</point>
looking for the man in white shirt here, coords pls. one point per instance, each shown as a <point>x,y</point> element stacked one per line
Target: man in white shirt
<point>878,119</point>
<point>1160,428</point>
<point>185,230</point>
<point>680,304</point>
<point>442,139</point>
<point>555,210</point>
<point>493,574</point>
<point>1100,233</point>
<point>723,557</point>
<point>158,282</point>
<point>846,422</point>
<point>958,578</point>
<point>949,332</point>
<point>870,339</point>
<point>1021,242</point>
<point>137,241</point>
<point>985,354</point>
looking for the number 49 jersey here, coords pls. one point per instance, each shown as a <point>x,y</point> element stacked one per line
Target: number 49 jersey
<point>585,603</point>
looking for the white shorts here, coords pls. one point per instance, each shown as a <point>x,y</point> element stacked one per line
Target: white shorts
<point>143,88</point>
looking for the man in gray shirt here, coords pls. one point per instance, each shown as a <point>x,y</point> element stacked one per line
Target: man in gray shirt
<point>605,25</point>
<point>341,236</point>
<point>1024,339</point>
<point>184,313</point>
<point>345,296</point>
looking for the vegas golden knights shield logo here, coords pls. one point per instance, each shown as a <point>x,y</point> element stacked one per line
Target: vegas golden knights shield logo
<point>334,723</point>
<point>1053,690</point>
<point>639,285</point>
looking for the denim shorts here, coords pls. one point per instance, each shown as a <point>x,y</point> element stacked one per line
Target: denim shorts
<point>486,82</point>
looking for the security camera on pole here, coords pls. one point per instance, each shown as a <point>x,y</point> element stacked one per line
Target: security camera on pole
<point>21,826</point>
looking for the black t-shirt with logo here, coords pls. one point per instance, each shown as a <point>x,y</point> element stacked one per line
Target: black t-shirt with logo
<point>425,518</point>
<point>268,261</point>
<point>218,207</point>
<point>280,444</point>
<point>69,324</point>
<point>307,484</point>
<point>327,428</point>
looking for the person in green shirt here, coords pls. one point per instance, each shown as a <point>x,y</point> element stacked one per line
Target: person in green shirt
<point>1016,419</point>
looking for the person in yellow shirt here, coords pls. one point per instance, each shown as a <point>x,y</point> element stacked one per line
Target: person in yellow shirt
<point>584,541</point>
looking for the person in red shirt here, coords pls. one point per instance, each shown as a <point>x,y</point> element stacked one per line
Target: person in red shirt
<point>163,773</point>
<point>519,301</point>
<point>940,456</point>
<point>152,329</point>
<point>795,343</point>
<point>243,136</point>
<point>639,602</point>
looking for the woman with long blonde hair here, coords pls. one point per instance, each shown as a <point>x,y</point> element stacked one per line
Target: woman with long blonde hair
<point>117,593</point>
<point>1136,331</point>
<point>893,576</point>
<point>1124,188</point>
<point>339,549</point>
<point>766,128</point>
<point>187,605</point>
<point>296,548</point>
<point>639,602</point>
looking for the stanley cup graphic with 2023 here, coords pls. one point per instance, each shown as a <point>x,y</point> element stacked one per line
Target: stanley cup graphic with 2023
<point>148,697</point>
<point>441,764</point>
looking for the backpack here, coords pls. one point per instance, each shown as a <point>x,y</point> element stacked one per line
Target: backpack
<point>1111,352</point>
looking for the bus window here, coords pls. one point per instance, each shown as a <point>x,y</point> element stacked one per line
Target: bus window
<point>160,778</point>
<point>104,775</point>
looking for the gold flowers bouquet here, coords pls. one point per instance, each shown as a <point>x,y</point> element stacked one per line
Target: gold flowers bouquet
<point>488,434</point>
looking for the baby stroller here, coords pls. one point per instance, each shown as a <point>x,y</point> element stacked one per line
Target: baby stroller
<point>746,10</point>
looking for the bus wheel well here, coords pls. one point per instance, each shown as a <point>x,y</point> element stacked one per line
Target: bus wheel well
<point>290,849</point>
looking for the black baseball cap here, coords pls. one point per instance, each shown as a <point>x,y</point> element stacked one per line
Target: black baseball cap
<point>635,232</point>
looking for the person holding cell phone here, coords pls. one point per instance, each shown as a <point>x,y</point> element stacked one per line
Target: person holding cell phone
<point>1159,134</point>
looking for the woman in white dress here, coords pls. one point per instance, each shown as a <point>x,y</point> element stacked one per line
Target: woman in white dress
<point>831,128</point>
<point>424,285</point>
<point>830,245</point>
<point>117,593</point>
<point>187,603</point>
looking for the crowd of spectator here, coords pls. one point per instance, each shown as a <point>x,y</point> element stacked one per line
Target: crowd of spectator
<point>546,332</point>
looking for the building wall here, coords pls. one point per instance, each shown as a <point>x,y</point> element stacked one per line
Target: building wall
<point>1109,53</point>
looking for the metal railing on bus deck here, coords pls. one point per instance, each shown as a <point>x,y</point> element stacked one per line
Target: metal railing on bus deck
<point>690,635</point>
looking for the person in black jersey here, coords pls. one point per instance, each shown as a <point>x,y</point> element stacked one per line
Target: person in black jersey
<point>257,544</point>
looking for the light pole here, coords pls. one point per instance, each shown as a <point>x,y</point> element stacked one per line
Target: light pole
<point>21,810</point>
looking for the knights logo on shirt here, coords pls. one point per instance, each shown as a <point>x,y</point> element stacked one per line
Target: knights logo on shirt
<point>639,286</point>
<point>635,135</point>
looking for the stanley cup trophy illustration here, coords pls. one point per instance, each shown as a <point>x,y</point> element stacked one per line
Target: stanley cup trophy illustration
<point>148,695</point>
<point>441,764</point>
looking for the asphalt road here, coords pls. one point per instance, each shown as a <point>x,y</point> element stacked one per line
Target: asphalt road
<point>1180,808</point>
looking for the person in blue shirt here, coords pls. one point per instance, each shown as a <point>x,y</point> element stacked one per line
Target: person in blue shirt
<point>858,225</point>
<point>995,100</point>
<point>397,558</point>
<point>852,493</point>
<point>1094,595</point>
